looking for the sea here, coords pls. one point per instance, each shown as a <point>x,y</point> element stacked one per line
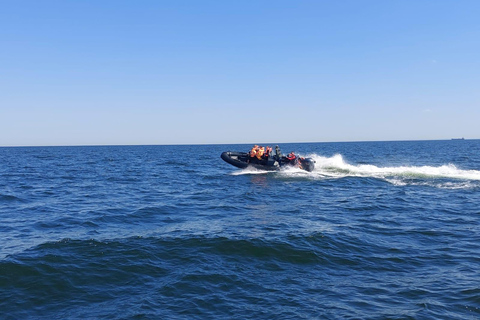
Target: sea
<point>379,230</point>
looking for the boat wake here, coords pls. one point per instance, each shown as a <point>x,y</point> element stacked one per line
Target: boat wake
<point>446,176</point>
<point>249,170</point>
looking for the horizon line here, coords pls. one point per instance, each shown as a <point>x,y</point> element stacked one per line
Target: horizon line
<point>213,144</point>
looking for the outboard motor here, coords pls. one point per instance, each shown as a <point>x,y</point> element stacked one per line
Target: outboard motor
<point>308,164</point>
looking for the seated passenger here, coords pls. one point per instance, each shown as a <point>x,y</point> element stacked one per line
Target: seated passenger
<point>260,152</point>
<point>253,152</point>
<point>291,156</point>
<point>268,151</point>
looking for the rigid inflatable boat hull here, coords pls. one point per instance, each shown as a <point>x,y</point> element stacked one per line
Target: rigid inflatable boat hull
<point>242,160</point>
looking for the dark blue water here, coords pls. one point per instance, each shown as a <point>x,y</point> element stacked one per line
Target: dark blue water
<point>380,230</point>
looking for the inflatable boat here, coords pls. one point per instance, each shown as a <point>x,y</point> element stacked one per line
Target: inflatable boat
<point>271,162</point>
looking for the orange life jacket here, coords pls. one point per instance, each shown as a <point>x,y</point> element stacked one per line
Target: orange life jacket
<point>253,152</point>
<point>268,150</point>
<point>260,152</point>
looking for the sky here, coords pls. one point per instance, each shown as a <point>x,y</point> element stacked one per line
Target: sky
<point>239,71</point>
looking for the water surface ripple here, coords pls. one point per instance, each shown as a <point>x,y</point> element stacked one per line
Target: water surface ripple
<point>380,230</point>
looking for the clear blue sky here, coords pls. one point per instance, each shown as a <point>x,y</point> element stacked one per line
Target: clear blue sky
<point>201,71</point>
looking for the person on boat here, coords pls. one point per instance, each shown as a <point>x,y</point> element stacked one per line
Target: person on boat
<point>253,152</point>
<point>268,151</point>
<point>292,158</point>
<point>260,153</point>
<point>278,153</point>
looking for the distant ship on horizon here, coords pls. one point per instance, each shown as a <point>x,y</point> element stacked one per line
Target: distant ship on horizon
<point>462,138</point>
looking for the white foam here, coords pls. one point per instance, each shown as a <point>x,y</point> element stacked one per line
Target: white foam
<point>336,166</point>
<point>249,170</point>
<point>446,176</point>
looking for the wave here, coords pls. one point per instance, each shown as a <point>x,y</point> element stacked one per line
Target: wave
<point>215,277</point>
<point>294,249</point>
<point>7,197</point>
